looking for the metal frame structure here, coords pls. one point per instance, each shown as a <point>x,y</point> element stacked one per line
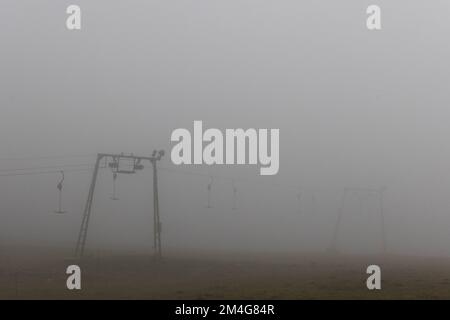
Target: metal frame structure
<point>115,165</point>
<point>372,192</point>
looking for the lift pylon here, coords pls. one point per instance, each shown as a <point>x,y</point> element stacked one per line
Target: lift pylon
<point>115,166</point>
<point>377,194</point>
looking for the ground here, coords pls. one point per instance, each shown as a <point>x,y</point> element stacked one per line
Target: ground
<point>38,273</point>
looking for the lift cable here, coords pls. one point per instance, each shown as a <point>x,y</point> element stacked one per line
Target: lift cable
<point>48,167</point>
<point>43,172</point>
<point>67,156</point>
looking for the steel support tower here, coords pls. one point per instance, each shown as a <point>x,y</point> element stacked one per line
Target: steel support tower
<point>115,165</point>
<point>378,194</point>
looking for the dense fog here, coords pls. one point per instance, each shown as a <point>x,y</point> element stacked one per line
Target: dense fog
<point>355,109</point>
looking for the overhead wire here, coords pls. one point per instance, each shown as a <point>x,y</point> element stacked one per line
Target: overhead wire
<point>43,172</point>
<point>66,156</point>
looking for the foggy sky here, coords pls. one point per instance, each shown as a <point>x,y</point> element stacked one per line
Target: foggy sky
<point>355,109</point>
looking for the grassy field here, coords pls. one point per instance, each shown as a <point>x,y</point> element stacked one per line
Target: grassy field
<point>40,274</point>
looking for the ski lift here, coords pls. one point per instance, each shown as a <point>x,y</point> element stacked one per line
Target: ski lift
<point>114,196</point>
<point>114,164</point>
<point>59,186</point>
<point>126,165</point>
<point>209,191</point>
<point>137,165</point>
<point>234,195</point>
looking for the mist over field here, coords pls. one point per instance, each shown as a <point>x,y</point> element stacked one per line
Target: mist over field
<point>355,109</point>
